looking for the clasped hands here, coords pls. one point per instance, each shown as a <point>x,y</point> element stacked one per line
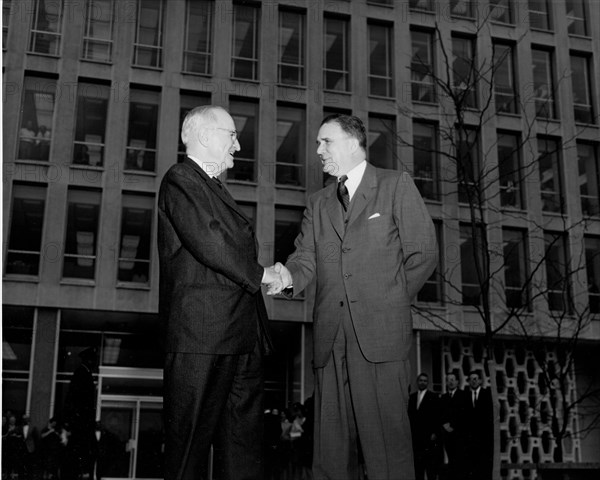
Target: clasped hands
<point>277,278</point>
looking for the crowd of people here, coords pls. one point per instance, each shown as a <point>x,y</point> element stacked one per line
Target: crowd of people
<point>288,442</point>
<point>459,424</point>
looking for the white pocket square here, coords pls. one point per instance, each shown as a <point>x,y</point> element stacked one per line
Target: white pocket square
<point>375,215</point>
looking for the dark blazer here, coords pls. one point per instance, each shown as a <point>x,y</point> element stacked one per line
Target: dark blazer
<point>210,297</point>
<point>452,411</point>
<point>377,263</point>
<point>424,421</point>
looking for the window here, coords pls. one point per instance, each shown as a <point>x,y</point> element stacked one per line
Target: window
<point>543,83</point>
<point>188,101</point>
<point>287,228</point>
<point>557,281</point>
<point>468,167</point>
<point>515,268</point>
<point>81,243</point>
<point>425,160</point>
<point>98,30</point>
<point>432,289</point>
<point>26,227</point>
<point>462,8</point>
<point>197,52</point>
<point>291,48</point>
<point>582,88</point>
<point>245,116</point>
<point>381,2</point>
<point>421,67</point>
<point>539,15</point>
<point>244,62</point>
<point>420,5</point>
<point>505,92</point>
<point>380,60</point>
<point>336,68</point>
<point>589,178</point>
<point>382,142</point>
<point>46,28</point>
<point>17,343</point>
<point>592,261</point>
<point>576,17</point>
<point>510,170</point>
<point>464,71</point>
<point>136,232</point>
<point>6,12</point>
<point>291,143</point>
<point>37,107</point>
<point>149,34</point>
<point>90,128</point>
<point>550,177</point>
<point>142,130</point>
<point>501,11</point>
<point>471,254</point>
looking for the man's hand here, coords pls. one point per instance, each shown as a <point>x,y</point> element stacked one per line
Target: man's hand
<point>277,277</point>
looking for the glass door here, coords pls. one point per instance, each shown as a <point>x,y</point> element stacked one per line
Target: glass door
<point>131,441</point>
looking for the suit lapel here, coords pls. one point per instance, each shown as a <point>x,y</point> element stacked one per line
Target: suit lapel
<point>334,208</point>
<point>220,192</point>
<point>364,193</point>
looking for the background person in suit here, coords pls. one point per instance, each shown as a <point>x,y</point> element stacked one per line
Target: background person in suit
<point>372,246</point>
<point>424,416</point>
<point>79,413</point>
<point>212,308</point>
<point>452,428</point>
<point>479,430</point>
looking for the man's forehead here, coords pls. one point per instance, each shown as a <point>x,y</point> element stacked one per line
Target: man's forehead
<point>330,130</point>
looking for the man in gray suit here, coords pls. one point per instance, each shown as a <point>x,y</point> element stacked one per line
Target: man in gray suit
<point>371,244</point>
<point>210,301</point>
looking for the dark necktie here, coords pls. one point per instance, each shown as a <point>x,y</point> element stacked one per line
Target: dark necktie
<point>342,192</point>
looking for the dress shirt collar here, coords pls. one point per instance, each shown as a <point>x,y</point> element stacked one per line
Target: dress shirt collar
<point>452,392</point>
<point>354,177</point>
<point>202,166</point>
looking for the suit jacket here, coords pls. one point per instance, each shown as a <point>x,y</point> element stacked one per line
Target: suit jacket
<point>31,439</point>
<point>453,411</point>
<point>210,297</point>
<point>479,419</point>
<point>425,420</point>
<point>375,264</point>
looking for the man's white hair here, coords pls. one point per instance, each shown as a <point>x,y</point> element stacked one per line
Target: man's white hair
<point>195,118</point>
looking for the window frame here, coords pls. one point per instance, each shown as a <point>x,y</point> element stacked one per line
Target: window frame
<point>36,34</point>
<point>155,49</point>
<point>346,39</point>
<point>89,39</point>
<point>509,90</point>
<point>300,55</point>
<point>388,77</point>
<point>189,53</point>
<point>425,82</point>
<point>542,102</point>
<point>254,59</point>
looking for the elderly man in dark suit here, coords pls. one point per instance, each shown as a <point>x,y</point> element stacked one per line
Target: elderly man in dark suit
<point>424,416</point>
<point>370,242</point>
<point>212,309</point>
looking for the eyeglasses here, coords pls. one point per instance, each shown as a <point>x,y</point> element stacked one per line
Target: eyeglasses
<point>232,133</point>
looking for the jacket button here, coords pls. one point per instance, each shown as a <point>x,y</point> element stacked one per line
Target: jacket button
<point>341,304</point>
<point>347,275</point>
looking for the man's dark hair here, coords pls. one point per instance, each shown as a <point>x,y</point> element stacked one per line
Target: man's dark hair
<point>350,124</point>
<point>423,375</point>
<point>476,372</point>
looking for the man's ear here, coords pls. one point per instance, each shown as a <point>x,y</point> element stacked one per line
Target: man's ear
<point>202,136</point>
<point>354,145</point>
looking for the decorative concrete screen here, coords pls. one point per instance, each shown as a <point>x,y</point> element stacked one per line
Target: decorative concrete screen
<point>525,402</point>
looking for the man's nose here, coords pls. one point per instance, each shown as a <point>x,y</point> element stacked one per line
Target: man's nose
<point>237,145</point>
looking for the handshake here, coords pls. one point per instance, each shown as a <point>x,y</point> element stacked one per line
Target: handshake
<point>277,278</point>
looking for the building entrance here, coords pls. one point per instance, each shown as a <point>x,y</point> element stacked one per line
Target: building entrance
<point>131,441</point>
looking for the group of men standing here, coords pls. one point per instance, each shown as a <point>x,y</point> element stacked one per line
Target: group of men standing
<point>459,422</point>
